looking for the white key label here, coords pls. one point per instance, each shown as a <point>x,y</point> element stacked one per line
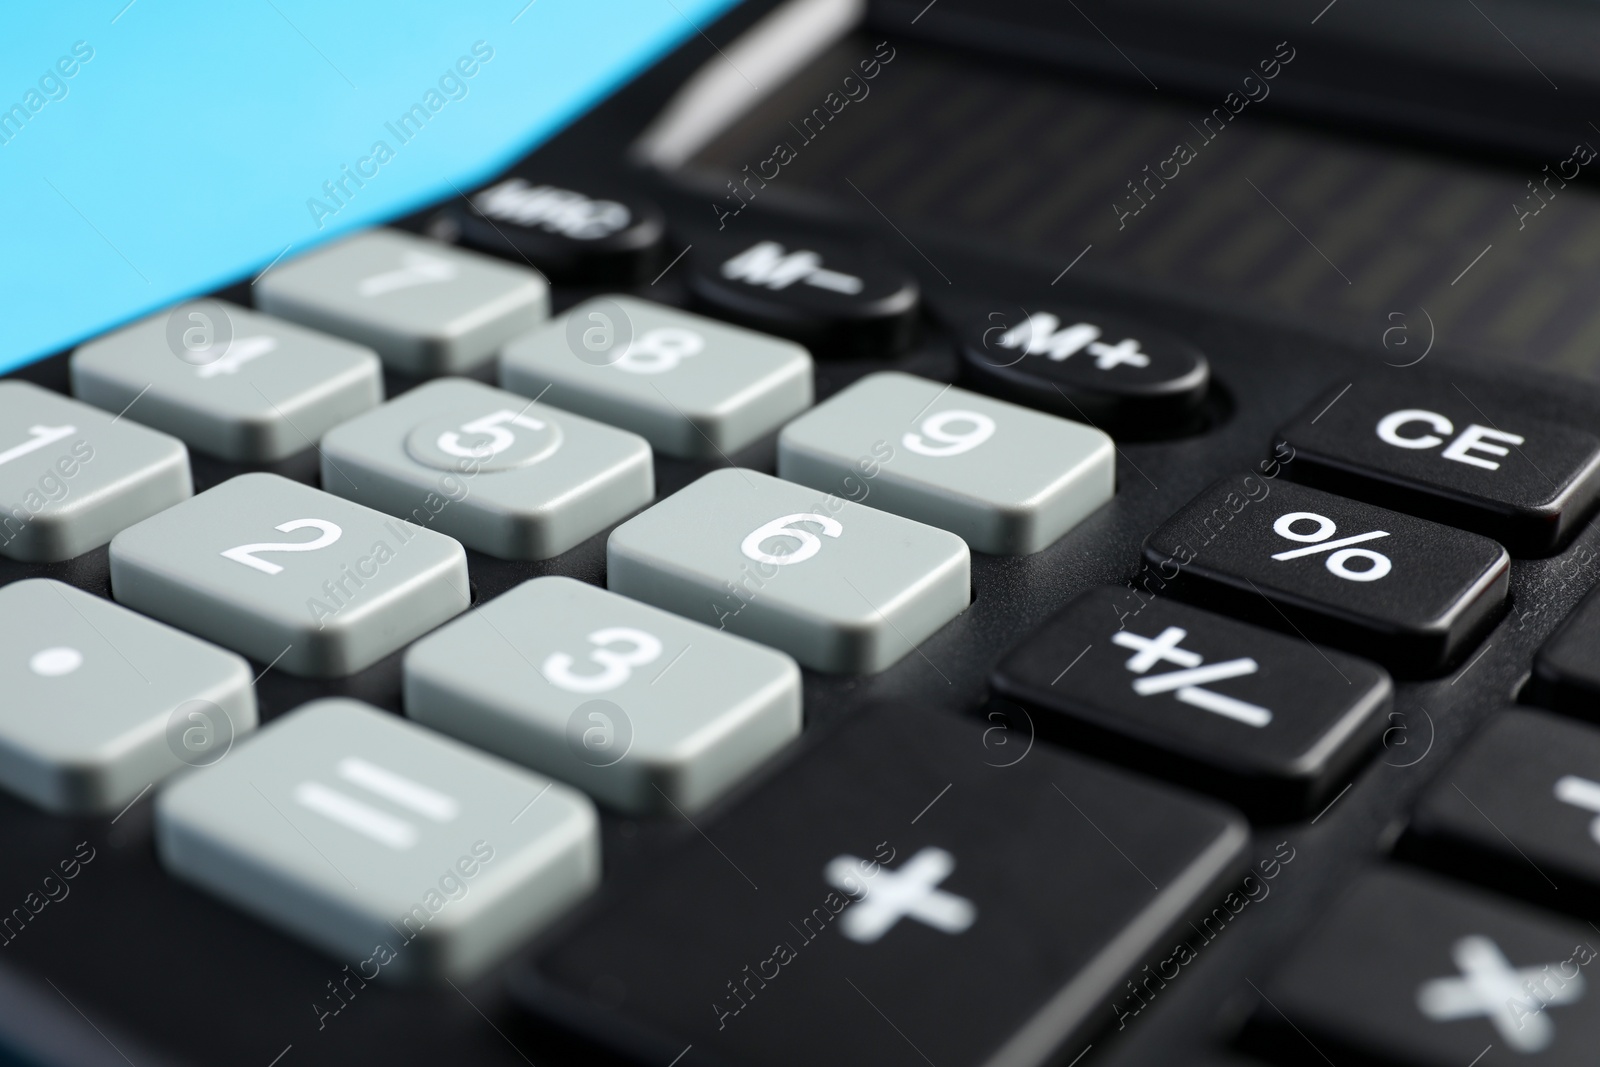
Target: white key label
<point>370,821</point>
<point>416,268</point>
<point>1192,673</point>
<point>1581,793</point>
<point>935,438</point>
<point>911,892</point>
<point>616,667</point>
<point>1042,335</point>
<point>40,436</point>
<point>493,426</point>
<point>1341,555</point>
<point>241,351</point>
<point>767,264</point>
<point>810,543</point>
<point>1474,439</point>
<point>330,532</point>
<point>659,350</point>
<point>1513,999</point>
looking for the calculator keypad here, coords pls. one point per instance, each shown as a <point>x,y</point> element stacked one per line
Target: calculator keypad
<point>101,702</point>
<point>840,587</point>
<point>290,575</point>
<point>378,841</point>
<point>228,381</point>
<point>72,475</point>
<point>691,386</point>
<point>1006,479</point>
<point>505,475</point>
<point>427,308</point>
<point>641,709</point>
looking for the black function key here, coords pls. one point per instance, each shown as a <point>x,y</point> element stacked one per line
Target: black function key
<point>1409,969</point>
<point>1115,372</point>
<point>571,236</point>
<point>836,300</point>
<point>1519,809</point>
<point>896,888</point>
<point>1266,720</point>
<point>1452,450</point>
<point>1566,670</point>
<point>1401,590</point>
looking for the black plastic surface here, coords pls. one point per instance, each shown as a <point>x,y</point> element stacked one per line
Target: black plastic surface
<point>170,975</point>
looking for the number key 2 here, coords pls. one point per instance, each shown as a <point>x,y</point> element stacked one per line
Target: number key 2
<point>1426,446</point>
<point>290,575</point>
<point>1407,592</point>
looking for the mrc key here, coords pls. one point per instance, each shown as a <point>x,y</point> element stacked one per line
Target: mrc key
<point>1453,449</point>
<point>1409,593</point>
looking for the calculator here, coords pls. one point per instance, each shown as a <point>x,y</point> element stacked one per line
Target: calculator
<point>910,533</point>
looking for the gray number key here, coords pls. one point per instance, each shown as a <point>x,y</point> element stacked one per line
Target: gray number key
<point>426,307</point>
<point>71,475</point>
<point>839,586</point>
<point>637,707</point>
<point>379,841</point>
<point>1006,478</point>
<point>237,384</point>
<point>291,575</point>
<point>101,702</point>
<point>692,386</point>
<point>506,476</point>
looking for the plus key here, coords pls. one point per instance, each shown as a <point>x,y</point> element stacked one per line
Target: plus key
<point>1264,720</point>
<point>873,879</point>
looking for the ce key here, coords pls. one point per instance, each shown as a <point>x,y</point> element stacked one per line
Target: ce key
<point>1409,593</point>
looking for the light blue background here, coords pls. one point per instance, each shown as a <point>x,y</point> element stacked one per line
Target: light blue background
<point>185,150</point>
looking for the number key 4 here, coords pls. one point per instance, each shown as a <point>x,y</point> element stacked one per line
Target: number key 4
<point>1005,478</point>
<point>235,564</point>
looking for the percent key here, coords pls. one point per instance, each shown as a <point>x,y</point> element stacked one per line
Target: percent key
<point>1409,593</point>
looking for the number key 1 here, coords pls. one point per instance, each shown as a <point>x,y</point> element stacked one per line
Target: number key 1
<point>1407,592</point>
<point>290,575</point>
<point>1005,478</point>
